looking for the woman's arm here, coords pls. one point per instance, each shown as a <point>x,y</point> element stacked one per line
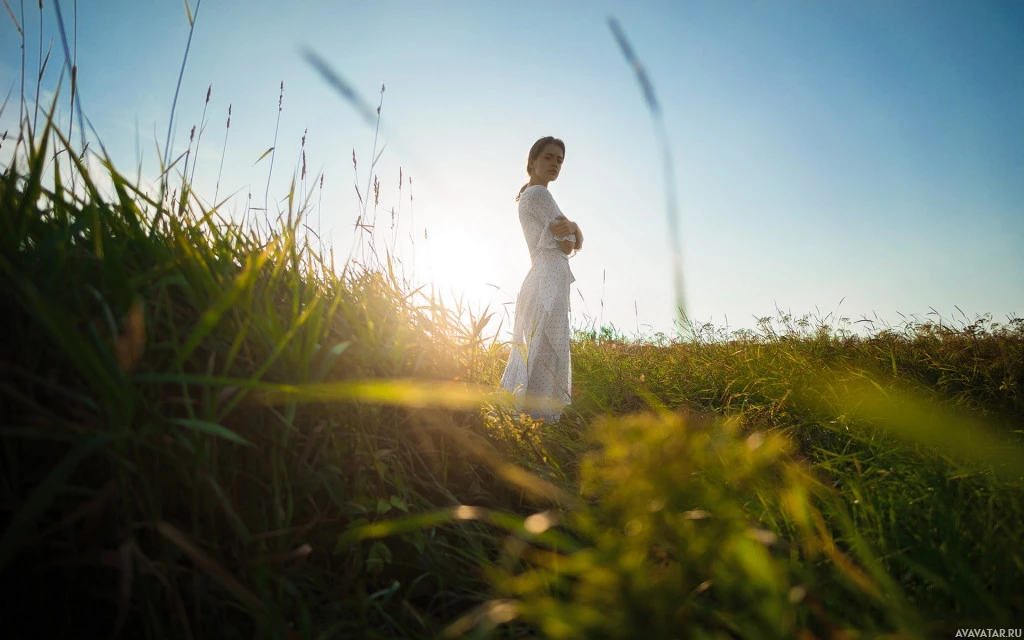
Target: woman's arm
<point>537,204</point>
<point>561,228</point>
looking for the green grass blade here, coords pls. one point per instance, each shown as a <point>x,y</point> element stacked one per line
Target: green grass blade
<point>211,428</point>
<point>213,315</point>
<point>404,392</point>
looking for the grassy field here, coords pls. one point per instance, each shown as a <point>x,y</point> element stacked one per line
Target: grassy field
<point>213,429</point>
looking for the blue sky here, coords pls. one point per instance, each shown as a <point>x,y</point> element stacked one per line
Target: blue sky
<point>870,153</point>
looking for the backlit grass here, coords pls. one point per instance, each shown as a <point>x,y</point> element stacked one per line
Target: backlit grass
<point>212,429</point>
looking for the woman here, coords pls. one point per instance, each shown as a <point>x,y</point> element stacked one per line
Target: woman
<point>539,372</point>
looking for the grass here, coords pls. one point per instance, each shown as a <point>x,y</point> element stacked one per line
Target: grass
<point>210,429</point>
<point>208,433</point>
<point>136,378</point>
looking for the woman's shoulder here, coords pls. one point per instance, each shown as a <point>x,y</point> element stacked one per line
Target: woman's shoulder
<point>536,192</point>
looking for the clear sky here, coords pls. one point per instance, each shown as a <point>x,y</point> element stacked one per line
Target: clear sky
<point>865,152</point>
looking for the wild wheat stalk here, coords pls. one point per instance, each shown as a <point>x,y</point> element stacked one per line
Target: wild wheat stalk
<point>21,32</point>
<point>223,152</point>
<point>70,62</point>
<point>181,74</point>
<point>273,152</point>
<point>42,68</point>
<point>174,105</point>
<point>319,207</point>
<point>202,127</point>
<point>373,164</point>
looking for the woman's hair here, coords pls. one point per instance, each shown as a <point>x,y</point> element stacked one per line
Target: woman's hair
<point>535,152</point>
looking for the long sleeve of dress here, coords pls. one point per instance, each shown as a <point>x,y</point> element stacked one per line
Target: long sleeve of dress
<point>540,210</point>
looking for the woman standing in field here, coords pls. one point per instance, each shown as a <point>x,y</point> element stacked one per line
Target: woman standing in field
<point>539,372</point>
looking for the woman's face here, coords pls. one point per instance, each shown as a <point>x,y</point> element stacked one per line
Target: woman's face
<point>548,164</point>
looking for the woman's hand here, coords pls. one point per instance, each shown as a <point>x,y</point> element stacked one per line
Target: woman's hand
<point>563,227</point>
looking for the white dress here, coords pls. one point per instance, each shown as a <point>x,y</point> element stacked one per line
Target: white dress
<point>539,372</point>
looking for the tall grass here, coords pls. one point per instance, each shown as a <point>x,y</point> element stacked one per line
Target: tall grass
<point>210,429</point>
<point>163,394</point>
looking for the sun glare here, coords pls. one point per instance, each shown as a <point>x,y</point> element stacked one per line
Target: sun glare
<point>462,267</point>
